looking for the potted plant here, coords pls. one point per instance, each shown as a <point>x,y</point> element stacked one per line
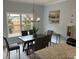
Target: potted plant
<point>35,30</point>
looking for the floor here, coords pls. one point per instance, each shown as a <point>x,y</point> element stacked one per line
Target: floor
<point>15,54</point>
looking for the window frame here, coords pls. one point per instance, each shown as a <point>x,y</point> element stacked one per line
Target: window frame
<point>20,22</point>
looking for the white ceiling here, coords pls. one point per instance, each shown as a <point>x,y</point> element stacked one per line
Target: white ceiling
<point>39,2</point>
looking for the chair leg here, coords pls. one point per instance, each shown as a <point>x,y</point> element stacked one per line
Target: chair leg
<point>9,54</point>
<point>19,53</point>
<point>50,43</point>
<point>16,50</point>
<point>6,54</point>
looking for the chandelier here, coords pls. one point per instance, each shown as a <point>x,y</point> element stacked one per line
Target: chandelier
<point>34,18</point>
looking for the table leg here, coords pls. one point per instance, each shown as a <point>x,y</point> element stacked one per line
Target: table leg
<point>27,48</point>
<point>24,45</point>
<point>27,51</point>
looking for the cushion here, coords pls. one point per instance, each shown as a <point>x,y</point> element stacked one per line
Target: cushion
<point>71,41</point>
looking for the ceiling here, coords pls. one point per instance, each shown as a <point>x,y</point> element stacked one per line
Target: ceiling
<point>39,2</point>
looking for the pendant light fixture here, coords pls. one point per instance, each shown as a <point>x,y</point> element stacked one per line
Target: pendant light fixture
<point>35,18</point>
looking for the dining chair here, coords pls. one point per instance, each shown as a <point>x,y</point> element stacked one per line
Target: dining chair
<point>24,33</point>
<point>40,43</point>
<point>49,33</point>
<point>11,47</point>
<point>31,32</point>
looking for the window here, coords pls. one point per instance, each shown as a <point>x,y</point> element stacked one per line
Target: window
<point>17,23</point>
<point>26,22</point>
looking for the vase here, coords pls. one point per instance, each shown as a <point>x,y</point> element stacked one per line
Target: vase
<point>35,35</point>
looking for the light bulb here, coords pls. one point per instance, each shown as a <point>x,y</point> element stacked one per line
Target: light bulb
<point>38,19</point>
<point>32,19</point>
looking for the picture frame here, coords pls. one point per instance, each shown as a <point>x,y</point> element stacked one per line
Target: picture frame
<point>54,16</point>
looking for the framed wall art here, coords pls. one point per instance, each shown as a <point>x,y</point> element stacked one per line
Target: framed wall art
<point>54,16</point>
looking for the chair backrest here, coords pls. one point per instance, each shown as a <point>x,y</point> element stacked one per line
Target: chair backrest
<point>40,43</point>
<point>7,44</point>
<point>24,33</point>
<point>49,34</point>
<point>31,32</point>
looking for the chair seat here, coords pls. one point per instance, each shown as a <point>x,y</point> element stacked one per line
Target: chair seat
<point>13,47</point>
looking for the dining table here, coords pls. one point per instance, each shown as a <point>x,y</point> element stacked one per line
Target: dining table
<point>29,39</point>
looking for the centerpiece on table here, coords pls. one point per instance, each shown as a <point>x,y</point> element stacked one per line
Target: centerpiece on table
<point>35,30</point>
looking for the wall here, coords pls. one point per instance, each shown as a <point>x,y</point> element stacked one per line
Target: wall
<point>16,7</point>
<point>67,8</point>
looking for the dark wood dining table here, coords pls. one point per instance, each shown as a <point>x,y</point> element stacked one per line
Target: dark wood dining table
<point>29,38</point>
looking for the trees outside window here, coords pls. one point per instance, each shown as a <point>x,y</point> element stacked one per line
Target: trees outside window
<point>17,23</point>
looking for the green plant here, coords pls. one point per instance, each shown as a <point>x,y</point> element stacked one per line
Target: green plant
<point>35,29</point>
